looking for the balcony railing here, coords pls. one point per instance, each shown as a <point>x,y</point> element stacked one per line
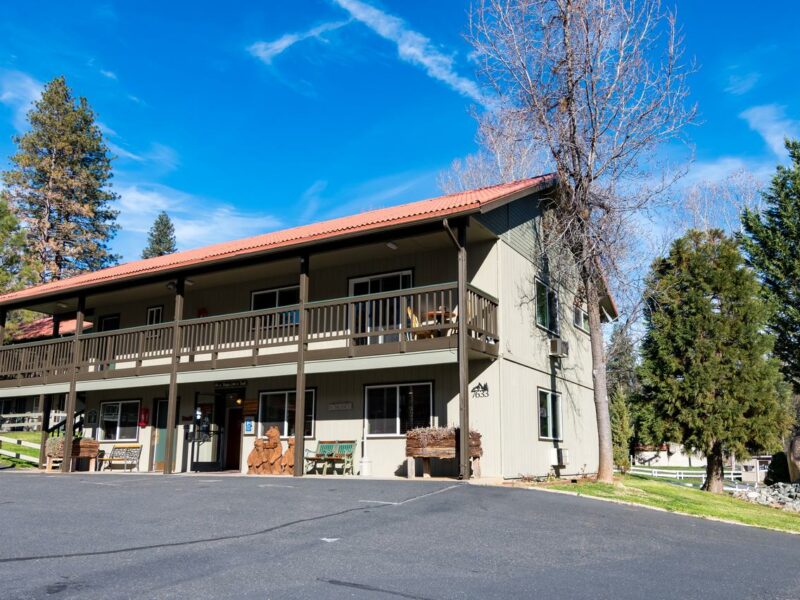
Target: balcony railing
<point>399,321</point>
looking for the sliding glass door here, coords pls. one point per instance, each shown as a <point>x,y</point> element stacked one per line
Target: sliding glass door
<point>381,314</point>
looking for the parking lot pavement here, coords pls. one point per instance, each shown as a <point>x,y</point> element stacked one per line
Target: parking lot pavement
<point>146,536</point>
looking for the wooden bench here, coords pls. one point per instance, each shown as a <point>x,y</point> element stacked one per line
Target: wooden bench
<point>125,454</point>
<point>329,453</point>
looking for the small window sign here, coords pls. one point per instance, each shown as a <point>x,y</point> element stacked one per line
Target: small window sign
<point>249,425</point>
<point>91,417</point>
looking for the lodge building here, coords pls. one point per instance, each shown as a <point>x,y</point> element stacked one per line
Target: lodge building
<point>433,313</point>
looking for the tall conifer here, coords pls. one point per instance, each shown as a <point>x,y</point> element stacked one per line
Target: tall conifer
<point>707,366</point>
<point>161,238</point>
<point>59,187</point>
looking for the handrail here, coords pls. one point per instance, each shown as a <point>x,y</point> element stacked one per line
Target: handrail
<point>351,321</point>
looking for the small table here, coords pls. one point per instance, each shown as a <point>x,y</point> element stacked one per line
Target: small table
<point>439,317</point>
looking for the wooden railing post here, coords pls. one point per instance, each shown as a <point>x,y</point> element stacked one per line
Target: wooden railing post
<point>69,425</point>
<point>300,390</point>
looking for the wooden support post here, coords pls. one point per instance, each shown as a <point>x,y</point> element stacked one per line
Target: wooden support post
<point>56,326</point>
<point>45,403</point>
<point>300,395</point>
<point>69,425</point>
<point>463,355</point>
<point>172,395</point>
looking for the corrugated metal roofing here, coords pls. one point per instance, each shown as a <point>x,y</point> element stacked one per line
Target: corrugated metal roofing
<point>370,221</point>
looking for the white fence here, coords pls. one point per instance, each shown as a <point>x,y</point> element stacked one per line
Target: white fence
<point>6,443</point>
<point>29,421</point>
<point>680,473</point>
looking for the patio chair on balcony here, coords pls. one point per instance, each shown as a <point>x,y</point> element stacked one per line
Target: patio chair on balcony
<point>413,322</point>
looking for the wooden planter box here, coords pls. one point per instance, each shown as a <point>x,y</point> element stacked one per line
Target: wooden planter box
<point>439,443</point>
<point>81,448</point>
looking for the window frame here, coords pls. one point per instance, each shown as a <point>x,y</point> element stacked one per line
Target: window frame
<point>101,327</point>
<point>578,309</point>
<point>261,432</point>
<point>549,434</point>
<point>276,291</point>
<point>100,420</point>
<point>152,309</point>
<point>550,318</point>
<point>397,387</point>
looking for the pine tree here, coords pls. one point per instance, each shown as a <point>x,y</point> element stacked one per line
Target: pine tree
<point>707,368</point>
<point>621,428</point>
<point>771,242</point>
<point>161,238</point>
<point>59,186</point>
<point>12,245</point>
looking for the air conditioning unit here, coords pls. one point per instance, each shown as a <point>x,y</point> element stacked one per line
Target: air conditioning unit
<point>559,457</point>
<point>559,348</point>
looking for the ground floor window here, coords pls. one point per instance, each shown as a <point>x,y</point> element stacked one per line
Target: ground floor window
<point>119,421</point>
<point>549,415</point>
<point>395,409</point>
<point>278,409</point>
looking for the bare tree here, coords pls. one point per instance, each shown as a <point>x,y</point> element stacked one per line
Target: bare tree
<point>720,204</point>
<point>506,153</point>
<point>599,85</point>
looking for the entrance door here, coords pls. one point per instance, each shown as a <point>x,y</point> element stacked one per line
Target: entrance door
<point>379,315</point>
<point>160,447</point>
<point>233,439</point>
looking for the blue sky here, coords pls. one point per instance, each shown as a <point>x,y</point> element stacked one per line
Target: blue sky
<point>242,117</point>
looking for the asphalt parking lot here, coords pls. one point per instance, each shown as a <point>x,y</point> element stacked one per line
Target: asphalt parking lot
<point>154,536</point>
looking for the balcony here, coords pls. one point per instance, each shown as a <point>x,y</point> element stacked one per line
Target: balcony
<point>409,320</point>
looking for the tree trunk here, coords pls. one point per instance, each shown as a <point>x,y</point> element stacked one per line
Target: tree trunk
<point>714,470</point>
<point>605,467</point>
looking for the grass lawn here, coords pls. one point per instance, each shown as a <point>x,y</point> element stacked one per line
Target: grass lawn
<point>676,498</point>
<point>27,436</point>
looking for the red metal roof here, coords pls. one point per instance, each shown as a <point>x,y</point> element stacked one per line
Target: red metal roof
<point>424,210</point>
<point>43,328</point>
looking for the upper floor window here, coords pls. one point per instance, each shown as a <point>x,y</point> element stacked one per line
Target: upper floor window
<point>580,318</point>
<point>276,298</point>
<point>546,307</point>
<point>155,315</point>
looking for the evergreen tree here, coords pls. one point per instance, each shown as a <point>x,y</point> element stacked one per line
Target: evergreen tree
<point>59,186</point>
<point>621,362</point>
<point>707,368</point>
<point>621,428</point>
<point>161,238</point>
<point>12,245</point>
<point>771,242</point>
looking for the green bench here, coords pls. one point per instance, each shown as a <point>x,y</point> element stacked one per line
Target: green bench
<point>329,454</point>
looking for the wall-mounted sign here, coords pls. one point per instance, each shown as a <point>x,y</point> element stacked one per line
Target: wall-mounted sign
<point>481,390</point>
<point>334,406</point>
<point>249,425</point>
<point>225,385</point>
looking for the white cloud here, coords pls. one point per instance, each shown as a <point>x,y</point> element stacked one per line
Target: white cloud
<point>413,47</point>
<point>772,124</point>
<point>163,157</point>
<point>198,221</point>
<point>19,91</point>
<point>267,51</point>
<point>739,84</point>
<point>109,74</point>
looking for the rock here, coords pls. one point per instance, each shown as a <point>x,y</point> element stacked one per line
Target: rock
<point>780,495</point>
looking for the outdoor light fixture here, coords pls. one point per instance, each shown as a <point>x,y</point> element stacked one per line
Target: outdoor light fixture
<point>238,402</point>
<point>391,245</point>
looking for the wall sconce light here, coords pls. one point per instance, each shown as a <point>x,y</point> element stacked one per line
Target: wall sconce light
<point>239,401</point>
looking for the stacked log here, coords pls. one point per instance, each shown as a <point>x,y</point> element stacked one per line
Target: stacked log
<point>440,442</point>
